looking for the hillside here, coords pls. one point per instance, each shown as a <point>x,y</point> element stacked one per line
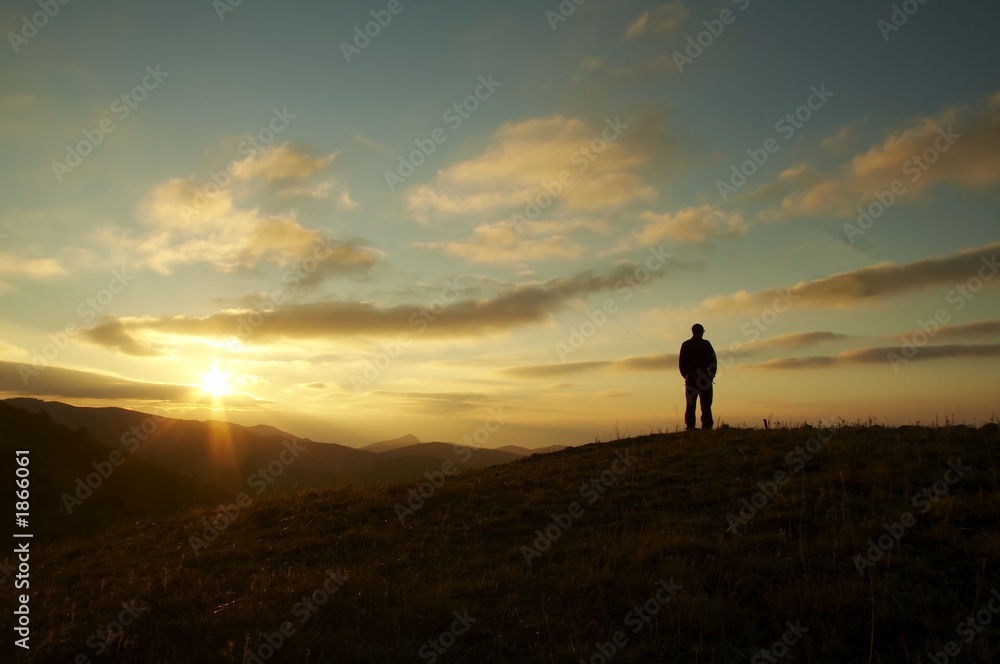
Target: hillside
<point>80,486</point>
<point>526,451</point>
<point>386,445</point>
<point>621,548</point>
<point>229,456</point>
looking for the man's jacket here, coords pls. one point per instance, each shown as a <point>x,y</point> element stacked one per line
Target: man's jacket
<point>697,359</point>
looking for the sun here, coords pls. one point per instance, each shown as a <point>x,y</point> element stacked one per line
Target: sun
<point>216,382</point>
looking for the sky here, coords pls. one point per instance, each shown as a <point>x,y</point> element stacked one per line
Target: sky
<point>496,222</point>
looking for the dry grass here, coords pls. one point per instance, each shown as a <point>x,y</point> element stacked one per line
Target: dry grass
<point>665,518</point>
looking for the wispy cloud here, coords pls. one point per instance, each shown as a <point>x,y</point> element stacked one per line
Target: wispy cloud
<point>189,222</point>
<point>17,268</point>
<point>800,340</point>
<point>515,306</point>
<point>658,21</point>
<point>867,284</point>
<point>638,363</point>
<point>502,243</point>
<point>688,226</point>
<point>880,355</point>
<point>965,140</point>
<point>281,164</point>
<point>74,384</point>
<point>521,157</point>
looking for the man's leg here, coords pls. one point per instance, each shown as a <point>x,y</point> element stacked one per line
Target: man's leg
<point>706,408</point>
<point>691,401</point>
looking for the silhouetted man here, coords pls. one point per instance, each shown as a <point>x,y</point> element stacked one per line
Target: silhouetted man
<point>698,366</point>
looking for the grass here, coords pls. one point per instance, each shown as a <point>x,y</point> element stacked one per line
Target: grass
<point>663,518</point>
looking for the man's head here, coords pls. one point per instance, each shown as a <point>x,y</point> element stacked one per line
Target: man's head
<point>697,330</point>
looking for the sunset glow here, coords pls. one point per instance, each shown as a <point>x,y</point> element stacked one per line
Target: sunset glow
<point>357,231</point>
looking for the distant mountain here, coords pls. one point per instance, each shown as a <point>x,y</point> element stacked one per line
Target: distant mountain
<point>79,486</point>
<point>268,430</point>
<point>225,455</point>
<point>386,445</point>
<point>238,458</point>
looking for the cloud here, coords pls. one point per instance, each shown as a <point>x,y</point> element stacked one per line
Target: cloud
<point>881,355</point>
<point>504,243</point>
<point>11,351</point>
<point>840,139</point>
<point>17,268</point>
<point>114,334</point>
<point>688,226</point>
<point>976,330</point>
<point>29,268</point>
<point>648,362</point>
<point>961,146</point>
<point>440,403</point>
<point>663,19</point>
<point>554,370</point>
<point>516,306</point>
<point>800,340</point>
<point>75,384</point>
<point>870,284</point>
<point>186,225</point>
<point>637,363</point>
<point>524,159</point>
<point>281,164</point>
<point>346,202</point>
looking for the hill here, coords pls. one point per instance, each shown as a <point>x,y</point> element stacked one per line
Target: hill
<point>527,451</point>
<point>469,457</point>
<point>80,486</point>
<point>232,457</point>
<point>666,548</point>
<point>386,445</point>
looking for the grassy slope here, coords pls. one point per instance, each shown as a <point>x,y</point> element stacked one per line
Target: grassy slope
<point>665,518</point>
